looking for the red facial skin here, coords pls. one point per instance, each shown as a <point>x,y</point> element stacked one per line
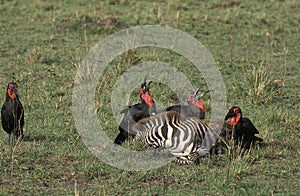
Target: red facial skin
<point>141,92</point>
<point>10,92</point>
<point>235,119</point>
<point>197,103</point>
<point>146,97</point>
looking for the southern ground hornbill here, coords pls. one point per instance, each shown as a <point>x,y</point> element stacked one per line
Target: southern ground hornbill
<point>134,113</point>
<point>195,107</point>
<point>243,129</point>
<point>12,113</point>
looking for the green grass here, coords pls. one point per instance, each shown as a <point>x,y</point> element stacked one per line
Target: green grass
<point>255,44</point>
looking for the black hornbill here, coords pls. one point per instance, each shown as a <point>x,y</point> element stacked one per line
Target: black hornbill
<point>134,113</point>
<point>195,107</point>
<point>243,129</point>
<point>12,113</point>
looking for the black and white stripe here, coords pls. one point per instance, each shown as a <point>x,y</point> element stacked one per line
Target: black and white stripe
<point>186,138</point>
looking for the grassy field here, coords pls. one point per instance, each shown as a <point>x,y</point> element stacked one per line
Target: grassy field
<point>255,44</point>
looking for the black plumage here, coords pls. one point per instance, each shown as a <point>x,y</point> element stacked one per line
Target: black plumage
<point>195,107</point>
<point>244,132</point>
<point>134,113</point>
<point>12,113</point>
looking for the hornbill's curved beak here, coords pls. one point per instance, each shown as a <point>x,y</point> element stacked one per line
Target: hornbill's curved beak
<point>15,90</point>
<point>13,87</point>
<point>204,93</point>
<point>196,92</point>
<point>144,85</point>
<point>229,114</point>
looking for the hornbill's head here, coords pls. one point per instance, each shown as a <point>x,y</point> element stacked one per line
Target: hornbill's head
<point>195,100</point>
<point>235,115</point>
<point>145,94</point>
<point>12,90</point>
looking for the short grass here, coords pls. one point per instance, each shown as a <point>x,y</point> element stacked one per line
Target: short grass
<point>255,44</point>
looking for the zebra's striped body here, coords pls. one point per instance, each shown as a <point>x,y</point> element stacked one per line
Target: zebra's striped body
<point>186,138</point>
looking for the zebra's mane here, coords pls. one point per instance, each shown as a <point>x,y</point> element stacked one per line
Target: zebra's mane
<point>163,115</point>
<point>176,116</point>
<point>216,124</point>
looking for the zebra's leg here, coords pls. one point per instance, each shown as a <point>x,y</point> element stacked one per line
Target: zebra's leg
<point>183,160</point>
<point>188,159</point>
<point>194,157</point>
